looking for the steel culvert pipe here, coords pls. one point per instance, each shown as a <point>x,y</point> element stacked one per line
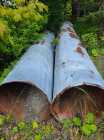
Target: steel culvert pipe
<point>26,91</point>
<point>78,86</point>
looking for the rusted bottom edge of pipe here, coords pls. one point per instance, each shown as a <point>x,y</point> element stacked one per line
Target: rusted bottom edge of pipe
<point>24,101</point>
<point>78,101</point>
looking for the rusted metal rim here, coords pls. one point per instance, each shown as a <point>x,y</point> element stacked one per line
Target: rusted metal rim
<point>63,105</point>
<point>23,82</point>
<point>24,100</point>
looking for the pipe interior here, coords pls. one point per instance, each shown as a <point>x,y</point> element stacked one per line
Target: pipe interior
<point>78,101</point>
<point>23,101</point>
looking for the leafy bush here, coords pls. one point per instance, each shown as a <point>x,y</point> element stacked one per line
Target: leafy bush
<point>19,28</point>
<point>68,10</point>
<point>56,15</point>
<point>91,42</point>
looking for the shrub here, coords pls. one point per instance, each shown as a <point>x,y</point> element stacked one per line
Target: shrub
<point>56,15</point>
<point>19,28</point>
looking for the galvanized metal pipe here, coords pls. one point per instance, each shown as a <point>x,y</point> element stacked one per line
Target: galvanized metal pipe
<point>73,69</point>
<point>32,76</point>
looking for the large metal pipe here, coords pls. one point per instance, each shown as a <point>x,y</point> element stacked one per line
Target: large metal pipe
<point>75,73</point>
<point>27,90</point>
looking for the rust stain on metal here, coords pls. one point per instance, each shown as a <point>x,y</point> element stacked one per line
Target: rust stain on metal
<point>70,30</point>
<point>73,35</point>
<point>79,50</point>
<point>24,101</point>
<point>73,102</point>
<point>9,104</point>
<point>64,30</point>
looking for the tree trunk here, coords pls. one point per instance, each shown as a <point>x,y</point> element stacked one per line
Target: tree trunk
<point>75,9</point>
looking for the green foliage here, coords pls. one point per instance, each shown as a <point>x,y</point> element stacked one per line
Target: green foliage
<point>67,123</point>
<point>2,120</point>
<point>90,39</point>
<point>88,28</point>
<point>90,118</point>
<point>77,121</point>
<point>14,130</point>
<point>93,18</point>
<point>94,48</point>
<point>7,70</point>
<point>55,41</point>
<point>56,14</point>
<point>4,30</point>
<point>21,125</point>
<point>35,124</point>
<point>38,137</point>
<point>68,10</point>
<point>88,129</point>
<point>88,6</point>
<point>74,127</point>
<point>19,28</point>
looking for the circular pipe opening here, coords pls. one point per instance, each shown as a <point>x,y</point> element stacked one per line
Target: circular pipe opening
<point>78,101</point>
<point>24,101</point>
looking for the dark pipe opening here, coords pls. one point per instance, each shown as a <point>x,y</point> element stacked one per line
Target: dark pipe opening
<point>78,101</point>
<point>24,101</point>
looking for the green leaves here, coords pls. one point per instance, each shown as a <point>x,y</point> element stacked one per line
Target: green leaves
<point>2,120</point>
<point>67,123</point>
<point>15,129</point>
<point>20,27</point>
<point>94,52</point>
<point>90,118</point>
<point>21,125</point>
<point>75,127</point>
<point>35,124</point>
<point>88,129</point>
<point>56,14</point>
<point>38,137</point>
<point>77,121</point>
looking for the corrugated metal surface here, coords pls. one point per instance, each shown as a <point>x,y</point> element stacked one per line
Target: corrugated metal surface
<point>73,66</point>
<point>36,66</point>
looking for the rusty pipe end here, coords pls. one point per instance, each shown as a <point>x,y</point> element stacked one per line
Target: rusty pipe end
<point>24,101</point>
<point>78,100</point>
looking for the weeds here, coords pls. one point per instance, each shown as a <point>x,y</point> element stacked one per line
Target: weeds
<point>73,129</point>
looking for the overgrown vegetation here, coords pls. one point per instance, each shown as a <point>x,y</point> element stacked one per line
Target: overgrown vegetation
<point>19,28</point>
<point>56,14</point>
<point>90,27</point>
<point>74,129</point>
